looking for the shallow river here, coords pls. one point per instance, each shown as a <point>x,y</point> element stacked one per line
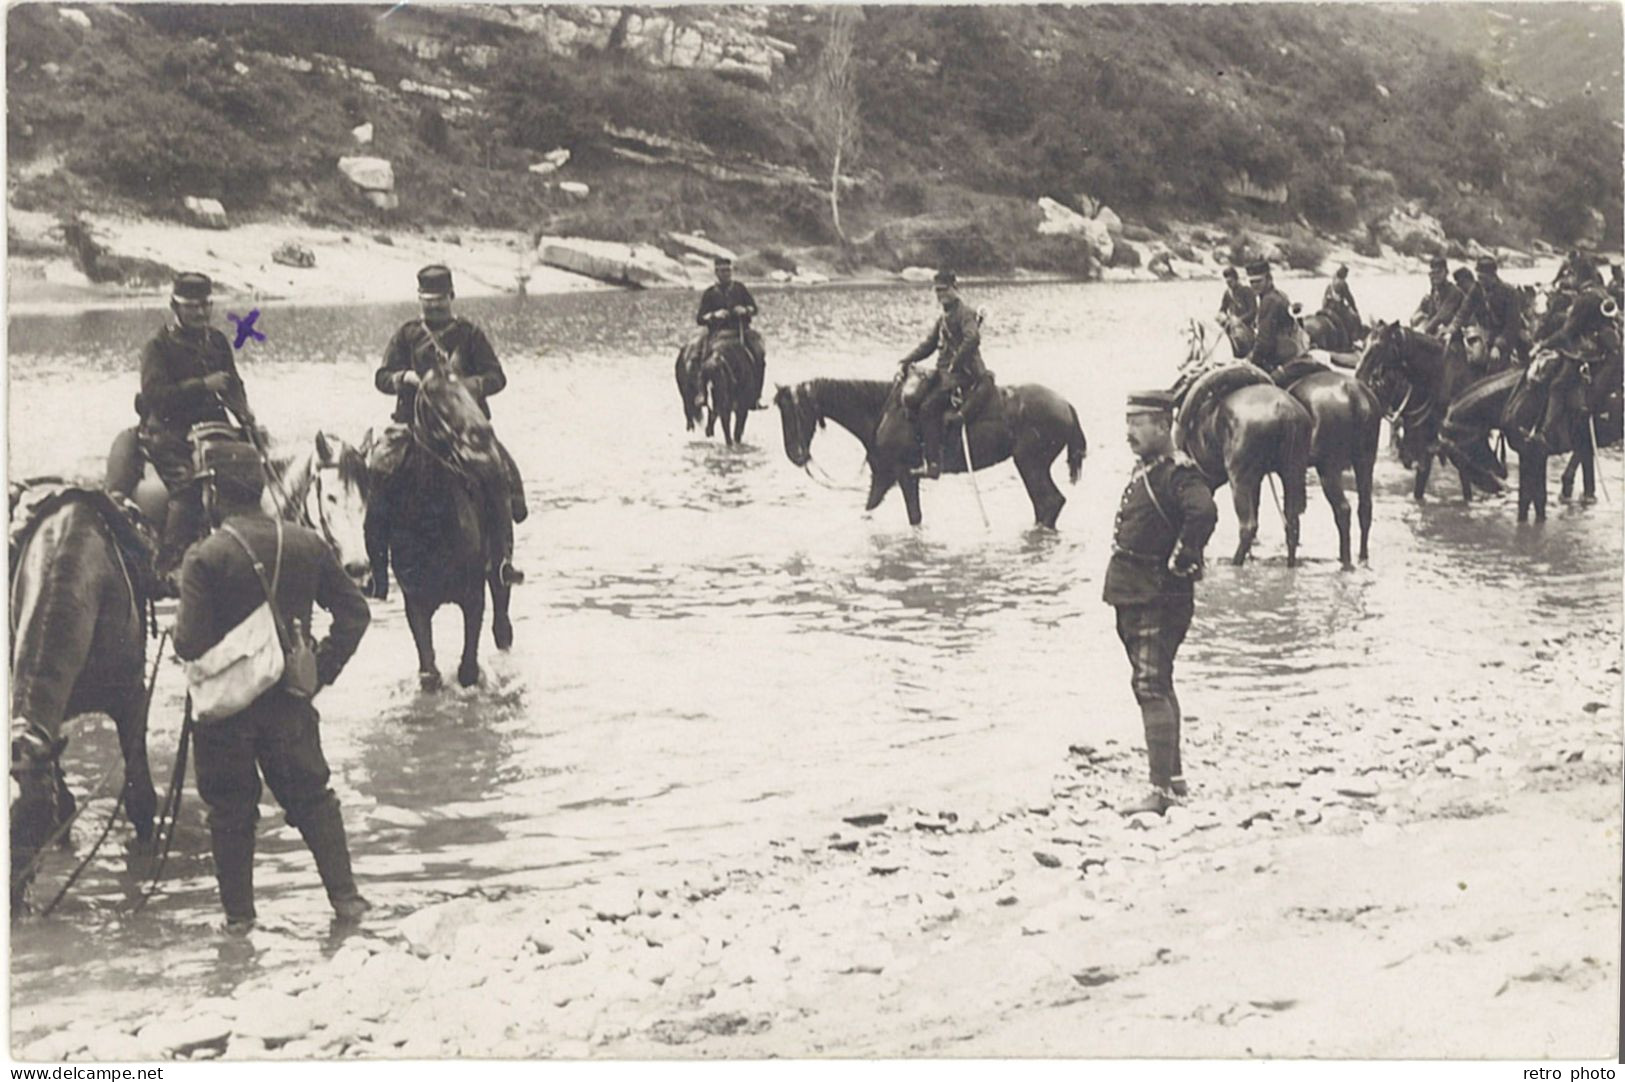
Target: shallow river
<point>713,651</point>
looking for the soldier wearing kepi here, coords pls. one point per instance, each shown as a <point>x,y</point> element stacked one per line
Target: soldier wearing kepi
<point>727,308</point>
<point>277,733</point>
<point>1443,299</point>
<point>1276,341</point>
<point>1165,518</point>
<point>188,377</point>
<point>440,340</point>
<point>956,339</point>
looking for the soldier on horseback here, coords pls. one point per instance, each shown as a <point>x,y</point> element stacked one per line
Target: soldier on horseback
<point>726,309</point>
<point>188,377</point>
<point>1238,308</point>
<point>1493,305</point>
<point>459,348</point>
<point>1338,302</point>
<point>1442,302</point>
<point>1277,336</point>
<point>956,340</point>
<point>1590,332</point>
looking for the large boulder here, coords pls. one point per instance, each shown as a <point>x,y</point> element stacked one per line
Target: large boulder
<point>931,240</point>
<point>369,174</point>
<point>362,133</point>
<point>1409,229</point>
<point>1060,220</point>
<point>205,212</point>
<point>686,243</point>
<point>293,254</point>
<point>636,265</point>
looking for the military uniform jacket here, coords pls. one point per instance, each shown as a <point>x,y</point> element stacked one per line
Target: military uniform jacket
<point>1493,306</point>
<point>219,589</point>
<point>1585,322</point>
<point>467,355</point>
<point>173,365</point>
<point>1338,294</point>
<point>957,342</point>
<point>1167,512</point>
<point>1277,331</point>
<point>1439,307</point>
<point>725,298</point>
<point>1240,301</point>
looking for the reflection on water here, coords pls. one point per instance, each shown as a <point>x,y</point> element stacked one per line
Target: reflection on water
<point>713,651</point>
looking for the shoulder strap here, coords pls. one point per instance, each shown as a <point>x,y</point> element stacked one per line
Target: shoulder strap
<point>1145,478</point>
<point>268,585</point>
<point>434,339</point>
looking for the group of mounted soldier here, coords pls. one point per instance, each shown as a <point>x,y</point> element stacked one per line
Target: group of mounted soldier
<point>198,432</point>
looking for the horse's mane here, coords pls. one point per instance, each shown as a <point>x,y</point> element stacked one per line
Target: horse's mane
<point>868,394</point>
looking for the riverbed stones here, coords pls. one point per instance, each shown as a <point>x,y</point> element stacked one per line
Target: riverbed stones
<point>433,929</point>
<point>178,1036</point>
<point>205,212</point>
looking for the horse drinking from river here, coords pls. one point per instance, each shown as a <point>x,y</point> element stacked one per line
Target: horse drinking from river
<point>81,585</point>
<point>1027,423</point>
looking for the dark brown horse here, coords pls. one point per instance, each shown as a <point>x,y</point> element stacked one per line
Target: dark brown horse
<point>440,548</point>
<point>1415,377</point>
<point>688,383</point>
<point>81,579</point>
<point>1326,331</point>
<point>1346,432</point>
<point>1591,420</point>
<point>1027,423</point>
<point>1238,426</point>
<point>729,387</point>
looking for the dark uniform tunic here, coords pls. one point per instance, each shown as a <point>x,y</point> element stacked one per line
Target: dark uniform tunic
<point>1493,306</point>
<point>724,299</point>
<point>1276,342</point>
<point>277,733</point>
<point>1438,308</point>
<point>1165,517</point>
<point>174,398</point>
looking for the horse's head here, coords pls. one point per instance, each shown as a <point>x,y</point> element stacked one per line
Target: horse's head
<point>1381,354</point>
<point>336,500</point>
<point>448,417</point>
<point>799,414</point>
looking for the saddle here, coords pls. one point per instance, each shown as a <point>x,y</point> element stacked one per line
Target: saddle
<point>32,500</point>
<point>1296,369</point>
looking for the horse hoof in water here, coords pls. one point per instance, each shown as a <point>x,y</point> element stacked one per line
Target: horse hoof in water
<point>468,674</point>
<point>429,681</point>
<point>502,633</point>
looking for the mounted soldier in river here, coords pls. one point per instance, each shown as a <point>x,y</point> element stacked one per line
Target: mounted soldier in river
<point>721,373</point>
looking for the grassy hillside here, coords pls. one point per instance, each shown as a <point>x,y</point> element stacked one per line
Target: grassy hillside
<point>970,113</point>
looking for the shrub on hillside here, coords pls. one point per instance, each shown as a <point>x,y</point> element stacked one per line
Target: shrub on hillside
<point>538,105</point>
<point>1302,250</point>
<point>159,151</point>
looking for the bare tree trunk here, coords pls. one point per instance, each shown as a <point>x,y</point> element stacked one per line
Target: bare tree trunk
<point>835,195</point>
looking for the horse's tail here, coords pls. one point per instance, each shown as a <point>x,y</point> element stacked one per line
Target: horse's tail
<point>1076,447</point>
<point>1296,447</point>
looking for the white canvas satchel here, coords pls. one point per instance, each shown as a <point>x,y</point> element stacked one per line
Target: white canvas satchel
<point>242,666</point>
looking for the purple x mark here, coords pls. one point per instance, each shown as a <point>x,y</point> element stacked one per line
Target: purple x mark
<point>245,327</point>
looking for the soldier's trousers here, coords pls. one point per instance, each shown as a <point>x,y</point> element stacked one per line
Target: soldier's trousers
<point>184,522</point>
<point>1151,635</point>
<point>277,736</point>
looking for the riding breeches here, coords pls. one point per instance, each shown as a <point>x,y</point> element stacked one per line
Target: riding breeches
<point>279,735</point>
<point>932,401</point>
<point>1151,635</point>
<point>171,455</point>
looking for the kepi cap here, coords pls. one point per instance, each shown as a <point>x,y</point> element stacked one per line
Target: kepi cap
<point>232,464</point>
<point>435,281</point>
<point>1486,263</point>
<point>1230,273</point>
<point>1258,268</point>
<point>722,261</point>
<point>945,277</point>
<point>191,286</point>
<point>1438,263</point>
<point>1157,401</point>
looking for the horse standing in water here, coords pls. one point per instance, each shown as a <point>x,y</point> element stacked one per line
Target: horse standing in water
<point>728,387</point>
<point>440,549</point>
<point>689,356</point>
<point>1346,433</point>
<point>1027,423</point>
<point>1416,377</point>
<point>1238,426</point>
<point>81,586</point>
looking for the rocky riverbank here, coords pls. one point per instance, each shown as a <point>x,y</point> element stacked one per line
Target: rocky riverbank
<point>1435,874</point>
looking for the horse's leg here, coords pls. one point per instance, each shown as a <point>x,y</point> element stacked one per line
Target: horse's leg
<point>741,415</point>
<point>1047,499</point>
<point>1245,492</point>
<point>1424,470</point>
<point>1588,467</point>
<point>420,618</point>
<point>880,483</point>
<point>140,800</point>
<point>1364,466</point>
<point>1537,486</point>
<point>1331,483</point>
<point>1566,486</point>
<point>501,626</point>
<point>473,606</point>
<point>1293,503</point>
<point>911,497</point>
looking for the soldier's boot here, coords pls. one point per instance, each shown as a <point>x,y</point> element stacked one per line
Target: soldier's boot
<point>516,485</point>
<point>499,520</point>
<point>375,531</point>
<point>234,873</point>
<point>932,423</point>
<point>1162,747</point>
<point>323,830</point>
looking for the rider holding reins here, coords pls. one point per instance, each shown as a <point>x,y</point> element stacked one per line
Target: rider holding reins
<point>956,339</point>
<point>728,307</point>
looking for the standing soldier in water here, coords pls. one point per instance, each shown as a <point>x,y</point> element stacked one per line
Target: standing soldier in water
<point>224,579</point>
<point>1165,518</point>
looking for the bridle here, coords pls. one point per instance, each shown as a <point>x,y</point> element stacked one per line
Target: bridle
<point>426,416</point>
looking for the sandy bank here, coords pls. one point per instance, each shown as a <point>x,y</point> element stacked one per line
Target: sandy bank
<point>1433,875</point>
